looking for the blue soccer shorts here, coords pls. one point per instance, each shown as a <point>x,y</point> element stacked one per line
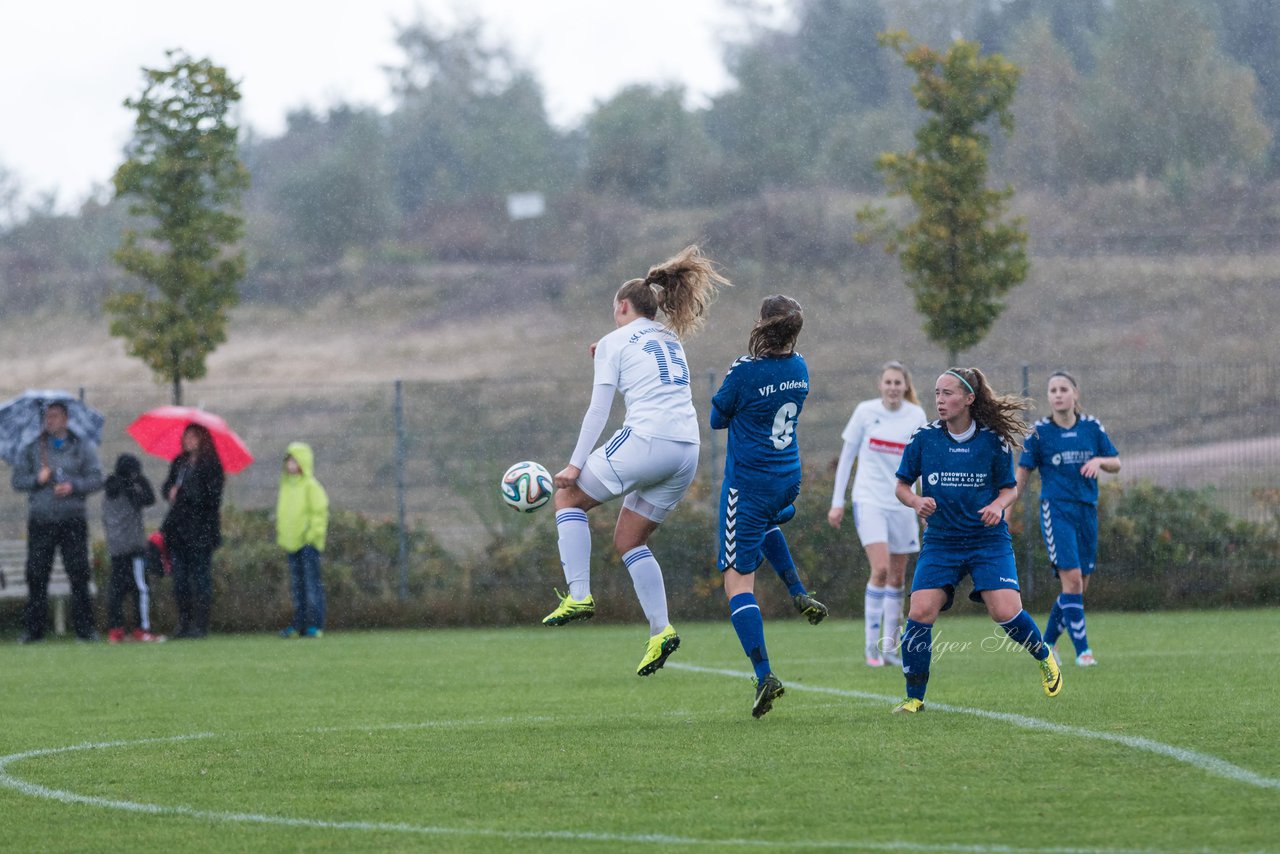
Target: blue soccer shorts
<point>1070,530</point>
<point>942,564</point>
<point>747,512</point>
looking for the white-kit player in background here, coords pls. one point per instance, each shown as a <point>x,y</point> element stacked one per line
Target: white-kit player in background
<point>876,436</point>
<point>653,458</point>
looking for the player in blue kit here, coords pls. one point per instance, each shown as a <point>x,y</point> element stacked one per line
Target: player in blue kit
<point>1070,449</point>
<point>653,458</point>
<point>759,402</point>
<point>964,461</point>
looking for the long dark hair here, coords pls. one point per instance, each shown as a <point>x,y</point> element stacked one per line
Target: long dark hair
<point>683,287</point>
<point>999,412</point>
<point>206,452</point>
<point>775,333</point>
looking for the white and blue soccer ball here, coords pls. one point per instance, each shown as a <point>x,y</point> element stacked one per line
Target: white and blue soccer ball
<point>526,486</point>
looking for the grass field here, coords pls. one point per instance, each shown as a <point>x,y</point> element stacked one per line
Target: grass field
<point>533,739</point>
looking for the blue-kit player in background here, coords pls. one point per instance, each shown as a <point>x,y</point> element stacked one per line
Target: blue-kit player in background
<point>1070,449</point>
<point>964,462</point>
<point>759,403</point>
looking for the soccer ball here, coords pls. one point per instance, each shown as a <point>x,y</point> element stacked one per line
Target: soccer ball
<point>526,486</point>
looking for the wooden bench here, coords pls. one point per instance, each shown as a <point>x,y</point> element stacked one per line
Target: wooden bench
<point>13,581</point>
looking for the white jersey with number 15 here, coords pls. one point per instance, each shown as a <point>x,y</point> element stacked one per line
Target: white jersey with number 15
<point>645,361</point>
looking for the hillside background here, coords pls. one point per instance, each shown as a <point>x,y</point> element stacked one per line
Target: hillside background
<point>380,249</point>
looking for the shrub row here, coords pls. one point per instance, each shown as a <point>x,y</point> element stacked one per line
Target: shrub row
<point>1159,549</point>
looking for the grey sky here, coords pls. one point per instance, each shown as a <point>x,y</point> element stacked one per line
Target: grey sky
<point>66,68</point>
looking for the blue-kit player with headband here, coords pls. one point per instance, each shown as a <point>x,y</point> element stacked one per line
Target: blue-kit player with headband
<point>964,462</point>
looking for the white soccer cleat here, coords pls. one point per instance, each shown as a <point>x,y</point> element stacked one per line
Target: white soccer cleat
<point>1086,659</point>
<point>874,658</point>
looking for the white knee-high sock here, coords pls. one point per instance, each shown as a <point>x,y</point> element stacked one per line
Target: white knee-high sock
<point>646,575</point>
<point>892,616</point>
<point>575,550</point>
<point>873,610</point>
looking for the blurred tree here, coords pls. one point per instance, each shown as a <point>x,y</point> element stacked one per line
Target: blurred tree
<point>184,178</point>
<point>336,195</point>
<point>642,144</point>
<point>1074,26</point>
<point>801,95</point>
<point>1164,98</point>
<point>10,191</point>
<point>1251,35</point>
<point>1046,148</point>
<point>470,121</point>
<point>958,256</point>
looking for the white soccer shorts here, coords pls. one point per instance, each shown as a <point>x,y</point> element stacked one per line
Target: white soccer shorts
<point>654,474</point>
<point>896,526</point>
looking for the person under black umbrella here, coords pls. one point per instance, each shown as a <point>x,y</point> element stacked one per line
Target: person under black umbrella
<point>57,471</point>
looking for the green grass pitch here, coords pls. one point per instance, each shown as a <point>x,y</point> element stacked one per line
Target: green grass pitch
<point>534,739</point>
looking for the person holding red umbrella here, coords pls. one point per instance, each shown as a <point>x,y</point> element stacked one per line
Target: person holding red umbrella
<point>193,527</point>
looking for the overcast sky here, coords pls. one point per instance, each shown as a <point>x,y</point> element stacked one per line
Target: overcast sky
<point>66,67</point>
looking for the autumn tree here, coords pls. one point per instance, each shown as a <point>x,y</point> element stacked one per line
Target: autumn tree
<point>183,177</point>
<point>958,254</point>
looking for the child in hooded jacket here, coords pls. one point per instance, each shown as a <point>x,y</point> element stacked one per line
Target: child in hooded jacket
<point>127,492</point>
<point>302,520</point>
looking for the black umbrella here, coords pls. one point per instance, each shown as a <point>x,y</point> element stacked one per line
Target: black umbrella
<point>22,419</point>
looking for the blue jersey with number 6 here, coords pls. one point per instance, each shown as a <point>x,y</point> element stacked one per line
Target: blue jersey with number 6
<point>760,402</point>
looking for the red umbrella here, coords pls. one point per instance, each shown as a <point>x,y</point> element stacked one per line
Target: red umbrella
<point>159,431</point>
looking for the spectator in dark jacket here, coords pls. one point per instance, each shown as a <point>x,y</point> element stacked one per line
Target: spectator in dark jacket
<point>193,528</point>
<point>57,471</point>
<point>126,494</point>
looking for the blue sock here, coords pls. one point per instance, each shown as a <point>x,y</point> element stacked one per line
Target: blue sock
<point>1073,618</point>
<point>1053,628</point>
<point>779,556</point>
<point>1023,629</point>
<point>917,652</point>
<point>744,613</point>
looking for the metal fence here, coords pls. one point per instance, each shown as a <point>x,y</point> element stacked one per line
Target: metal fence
<point>432,453</point>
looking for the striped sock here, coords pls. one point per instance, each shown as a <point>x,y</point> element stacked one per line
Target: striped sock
<point>575,550</point>
<point>892,617</point>
<point>1073,619</point>
<point>779,556</point>
<point>1053,628</point>
<point>873,611</point>
<point>744,613</point>
<point>1024,630</point>
<point>917,653</point>
<point>646,576</point>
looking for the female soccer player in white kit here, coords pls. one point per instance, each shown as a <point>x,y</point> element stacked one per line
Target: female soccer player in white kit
<point>653,458</point>
<point>876,436</point>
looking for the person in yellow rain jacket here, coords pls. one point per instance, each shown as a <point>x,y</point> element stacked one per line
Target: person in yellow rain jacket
<point>302,520</point>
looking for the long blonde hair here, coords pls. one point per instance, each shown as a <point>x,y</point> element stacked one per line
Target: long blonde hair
<point>894,365</point>
<point>683,287</point>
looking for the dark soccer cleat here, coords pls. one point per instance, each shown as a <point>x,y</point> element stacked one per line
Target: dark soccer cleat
<point>811,609</point>
<point>766,692</point>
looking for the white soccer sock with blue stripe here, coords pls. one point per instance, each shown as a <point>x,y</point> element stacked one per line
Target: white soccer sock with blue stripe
<point>892,617</point>
<point>873,611</point>
<point>646,575</point>
<point>575,551</point>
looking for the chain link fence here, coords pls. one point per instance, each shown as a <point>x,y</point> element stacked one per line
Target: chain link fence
<point>428,456</point>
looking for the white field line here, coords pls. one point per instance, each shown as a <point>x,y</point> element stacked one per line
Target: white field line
<point>1203,761</point>
<point>62,796</point>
